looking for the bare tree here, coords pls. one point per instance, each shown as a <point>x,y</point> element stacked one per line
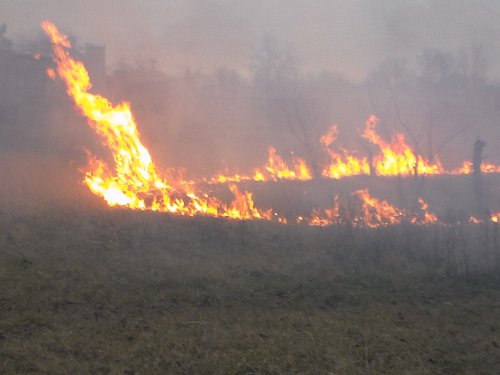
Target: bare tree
<point>286,98</point>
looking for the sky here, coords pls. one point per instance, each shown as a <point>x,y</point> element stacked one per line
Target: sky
<point>349,36</point>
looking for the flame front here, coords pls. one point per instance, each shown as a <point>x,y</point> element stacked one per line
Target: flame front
<point>394,158</point>
<point>363,210</point>
<point>134,180</point>
<point>275,169</point>
<point>397,158</point>
<point>467,168</point>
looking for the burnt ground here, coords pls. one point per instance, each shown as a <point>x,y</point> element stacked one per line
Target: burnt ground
<point>119,292</point>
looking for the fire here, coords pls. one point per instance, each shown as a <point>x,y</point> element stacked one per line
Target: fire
<point>397,158</point>
<point>394,158</point>
<point>275,169</point>
<point>134,181</point>
<point>344,164</point>
<point>475,220</point>
<point>243,207</point>
<point>327,216</point>
<point>427,216</point>
<point>375,212</point>
<point>467,168</point>
<point>494,218</point>
<point>363,210</point>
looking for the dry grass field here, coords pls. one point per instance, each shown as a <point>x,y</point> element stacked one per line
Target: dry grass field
<point>120,292</point>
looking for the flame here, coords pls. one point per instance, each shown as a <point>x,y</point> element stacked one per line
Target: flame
<point>325,217</point>
<point>494,218</point>
<point>275,169</point>
<point>51,74</point>
<point>428,217</point>
<point>397,158</point>
<point>243,207</point>
<point>363,210</point>
<point>134,181</point>
<point>302,171</point>
<point>344,164</point>
<point>377,213</point>
<point>475,220</point>
<point>467,168</point>
<point>394,158</point>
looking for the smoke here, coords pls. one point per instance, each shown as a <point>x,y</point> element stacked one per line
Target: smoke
<point>347,36</point>
<point>208,95</point>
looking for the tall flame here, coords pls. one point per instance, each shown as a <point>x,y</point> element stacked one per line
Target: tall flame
<point>134,181</point>
<point>134,170</point>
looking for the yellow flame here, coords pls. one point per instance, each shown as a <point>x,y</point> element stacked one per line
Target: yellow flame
<point>467,168</point>
<point>396,157</point>
<point>134,182</point>
<point>363,210</point>
<point>275,169</point>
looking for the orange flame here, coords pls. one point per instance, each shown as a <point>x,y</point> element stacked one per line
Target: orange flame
<point>397,158</point>
<point>494,218</point>
<point>134,181</point>
<point>467,168</point>
<point>341,165</point>
<point>377,213</point>
<point>325,217</point>
<point>275,169</point>
<point>428,217</point>
<point>363,210</point>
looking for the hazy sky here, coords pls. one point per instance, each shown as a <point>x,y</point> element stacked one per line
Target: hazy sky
<point>351,36</point>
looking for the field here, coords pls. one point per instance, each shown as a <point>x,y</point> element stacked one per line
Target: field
<point>117,292</point>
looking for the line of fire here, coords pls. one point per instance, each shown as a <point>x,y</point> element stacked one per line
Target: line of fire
<point>135,181</point>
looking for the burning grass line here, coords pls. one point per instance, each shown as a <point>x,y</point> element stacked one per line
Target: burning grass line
<point>134,180</point>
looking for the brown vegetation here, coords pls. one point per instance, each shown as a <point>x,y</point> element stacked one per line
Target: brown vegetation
<point>119,292</point>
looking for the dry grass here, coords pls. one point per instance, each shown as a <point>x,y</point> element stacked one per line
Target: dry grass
<point>136,293</point>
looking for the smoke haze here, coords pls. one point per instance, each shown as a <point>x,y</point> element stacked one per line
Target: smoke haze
<point>348,36</point>
<point>213,83</point>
